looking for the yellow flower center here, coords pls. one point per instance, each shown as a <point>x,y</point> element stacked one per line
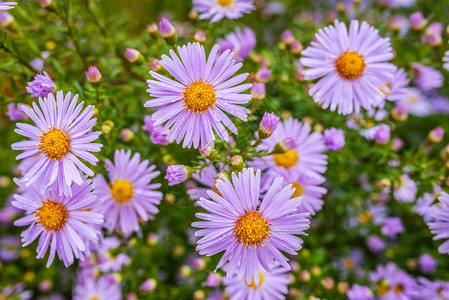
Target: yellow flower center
<point>251,229</point>
<point>52,215</point>
<point>413,98</point>
<point>348,262</point>
<point>253,283</point>
<point>383,287</point>
<point>122,191</point>
<point>287,159</point>
<point>398,288</point>
<point>365,217</point>
<point>94,298</point>
<point>55,143</point>
<point>350,65</point>
<point>199,96</point>
<point>298,191</point>
<point>225,3</point>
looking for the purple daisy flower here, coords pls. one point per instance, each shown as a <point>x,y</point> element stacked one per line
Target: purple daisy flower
<point>375,243</point>
<point>102,289</point>
<point>306,186</point>
<point>427,263</point>
<point>425,205</point>
<point>360,292</point>
<point>352,65</point>
<point>392,227</point>
<point>415,102</point>
<point>405,190</point>
<point>427,78</point>
<point>446,60</point>
<point>440,225</point>
<point>59,138</point>
<point>334,139</point>
<point>272,285</point>
<point>9,248</point>
<point>63,223</point>
<point>438,290</point>
<point>7,5</point>
<point>306,155</point>
<point>41,86</point>
<point>193,106</point>
<point>393,283</point>
<point>242,42</point>
<point>130,195</point>
<point>215,10</point>
<point>250,231</point>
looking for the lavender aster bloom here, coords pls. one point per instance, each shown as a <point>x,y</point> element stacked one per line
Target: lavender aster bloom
<point>440,225</point>
<point>427,78</point>
<point>41,86</point>
<point>405,190</point>
<point>446,60</point>
<point>375,243</point>
<point>102,289</point>
<point>307,155</point>
<point>242,42</point>
<point>415,102</point>
<point>7,5</point>
<point>215,10</point>
<point>352,65</point>
<point>130,195</point>
<point>360,292</point>
<point>63,223</point>
<point>193,106</point>
<point>393,283</point>
<point>177,174</point>
<point>268,125</point>
<point>438,290</point>
<point>250,231</point>
<point>391,227</point>
<point>59,138</point>
<point>9,248</point>
<point>382,135</point>
<point>427,263</point>
<point>272,285</point>
<point>15,114</point>
<point>334,139</point>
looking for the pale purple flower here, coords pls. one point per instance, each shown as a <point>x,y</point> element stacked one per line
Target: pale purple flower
<point>393,283</point>
<point>176,174</point>
<point>15,114</point>
<point>60,137</point>
<point>446,60</point>
<point>425,204</point>
<point>63,223</point>
<point>287,37</point>
<point>242,42</point>
<point>148,285</point>
<point>382,134</point>
<point>427,78</point>
<point>375,243</point>
<point>273,285</point>
<point>7,5</point>
<point>306,156</point>
<point>6,19</point>
<point>37,64</point>
<point>213,280</point>
<point>41,86</point>
<point>430,290</point>
<point>427,264</point>
<point>129,196</point>
<point>415,102</point>
<point>9,248</point>
<point>334,139</point>
<point>250,231</point>
<point>392,227</point>
<point>359,292</point>
<point>159,136</point>
<point>192,107</point>
<point>440,224</point>
<point>352,65</point>
<point>102,288</point>
<point>112,263</point>
<point>215,10</point>
<point>263,74</point>
<point>405,190</point>
<point>258,91</point>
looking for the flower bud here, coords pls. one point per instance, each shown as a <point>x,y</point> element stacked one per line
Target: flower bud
<point>296,47</point>
<point>263,75</point>
<point>382,135</point>
<point>193,14</point>
<point>177,174</point>
<point>258,91</point>
<point>199,295</point>
<point>185,271</point>
<point>268,125</point>
<point>167,31</point>
<point>152,29</point>
<point>152,238</point>
<point>287,37</point>
<point>6,19</point>
<point>334,139</point>
<point>207,151</point>
<point>237,163</point>
<point>342,287</point>
<point>304,276</point>
<point>126,134</point>
<point>436,135</point>
<point>132,55</point>
<point>316,271</point>
<point>328,283</point>
<point>155,65</point>
<point>199,36</point>
<point>148,285</point>
<point>199,264</point>
<point>286,144</point>
<point>417,21</point>
<point>399,113</point>
<point>93,74</point>
<point>45,3</point>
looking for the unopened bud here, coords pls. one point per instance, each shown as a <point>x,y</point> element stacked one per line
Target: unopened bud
<point>237,163</point>
<point>199,36</point>
<point>436,135</point>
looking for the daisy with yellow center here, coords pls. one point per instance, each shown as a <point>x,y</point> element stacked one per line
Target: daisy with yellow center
<point>215,10</point>
<point>201,97</point>
<point>59,139</point>
<point>351,66</point>
<point>65,224</point>
<point>130,196</point>
<point>249,231</point>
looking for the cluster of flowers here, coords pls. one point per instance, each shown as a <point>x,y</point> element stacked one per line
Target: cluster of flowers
<point>257,201</point>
